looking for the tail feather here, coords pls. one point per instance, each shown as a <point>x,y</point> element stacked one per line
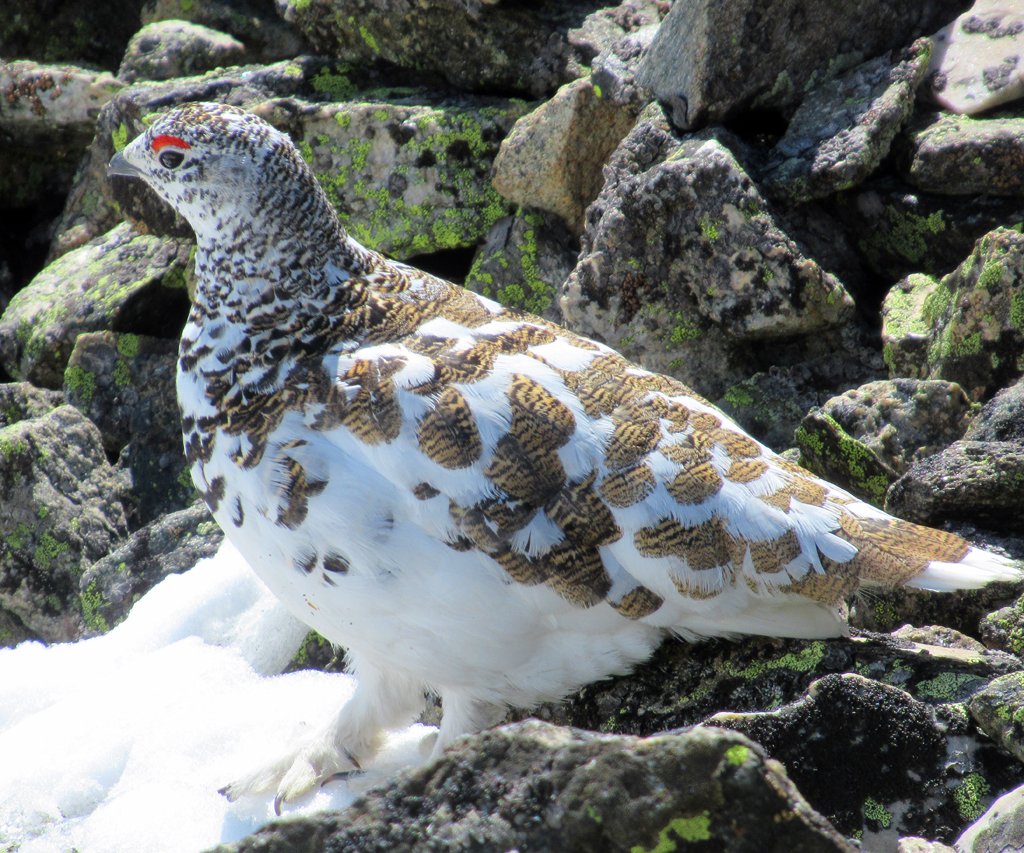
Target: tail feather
<point>977,569</point>
<point>892,552</point>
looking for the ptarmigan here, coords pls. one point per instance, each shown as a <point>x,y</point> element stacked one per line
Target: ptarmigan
<point>471,500</point>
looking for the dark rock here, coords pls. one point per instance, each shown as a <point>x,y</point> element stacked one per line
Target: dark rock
<point>524,262</point>
<point>907,768</point>
<point>956,155</point>
<point>172,544</point>
<point>864,439</point>
<point>684,269</point>
<point>165,49</point>
<point>61,513</point>
<point>709,63</point>
<point>121,281</point>
<point>474,46</point>
<point>968,327</point>
<point>977,481</point>
<point>125,384</point>
<point>267,38</point>
<point>1001,418</point>
<point>897,231</point>
<point>79,31</point>
<point>532,786</point>
<point>844,128</point>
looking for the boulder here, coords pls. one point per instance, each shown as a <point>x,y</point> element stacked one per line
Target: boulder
<point>122,281</point>
<point>532,786</point>
<point>165,49</point>
<point>61,513</point>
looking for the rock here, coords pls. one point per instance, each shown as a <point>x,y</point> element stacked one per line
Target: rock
<point>610,29</point>
<point>979,58</point>
<point>552,159</point>
<point>939,635</point>
<point>844,128</point>
<point>1001,418</point>
<point>921,845</point>
<point>1001,828</point>
<point>92,206</point>
<point>61,512</point>
<point>473,46</point>
<point>998,709</point>
<point>406,179</point>
<point>172,544</point>
<point>760,679</point>
<point>897,231</point>
<point>1004,628</point>
<point>684,269</point>
<point>79,31</point>
<point>707,66</point>
<point>522,786</point>
<point>122,281</point>
<point>977,481</point>
<point>125,384</point>
<point>864,439</point>
<point>409,176</point>
<point>524,261</point>
<point>955,155</point>
<point>905,769</point>
<point>968,327</point>
<point>20,401</point>
<point>165,49</point>
<point>255,23</point>
<point>46,121</point>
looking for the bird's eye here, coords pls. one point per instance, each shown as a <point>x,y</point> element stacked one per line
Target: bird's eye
<point>171,159</point>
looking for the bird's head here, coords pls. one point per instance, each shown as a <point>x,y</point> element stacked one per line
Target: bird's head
<point>216,164</point>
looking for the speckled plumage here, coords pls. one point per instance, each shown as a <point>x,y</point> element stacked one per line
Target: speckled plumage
<point>471,500</point>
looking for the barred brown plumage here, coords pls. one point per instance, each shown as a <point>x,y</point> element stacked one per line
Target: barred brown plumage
<point>471,500</point>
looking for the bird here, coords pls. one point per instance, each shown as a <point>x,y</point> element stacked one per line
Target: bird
<point>474,502</point>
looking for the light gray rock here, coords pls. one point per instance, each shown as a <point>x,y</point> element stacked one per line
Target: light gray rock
<point>922,845</point>
<point>165,49</point>
<point>122,281</point>
<point>967,327</point>
<point>844,128</point>
<point>552,158</point>
<point>61,512</point>
<point>979,58</point>
<point>1001,418</point>
<point>46,122</point>
<point>533,786</point>
<point>999,830</point>
<point>710,62</point>
<point>956,155</point>
<point>998,709</point>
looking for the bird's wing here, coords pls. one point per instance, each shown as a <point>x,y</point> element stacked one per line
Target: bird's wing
<point>568,466</point>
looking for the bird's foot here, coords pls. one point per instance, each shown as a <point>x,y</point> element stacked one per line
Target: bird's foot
<point>296,773</point>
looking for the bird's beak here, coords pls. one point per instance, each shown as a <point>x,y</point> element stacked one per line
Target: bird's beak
<point>120,166</point>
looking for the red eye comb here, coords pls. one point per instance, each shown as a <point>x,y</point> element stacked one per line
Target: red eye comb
<point>163,141</point>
